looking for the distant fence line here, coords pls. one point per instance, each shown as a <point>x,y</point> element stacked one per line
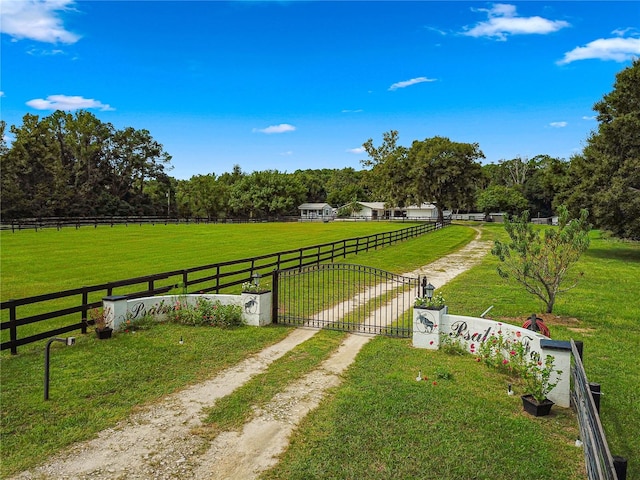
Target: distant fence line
<point>79,222</point>
<point>599,462</point>
<point>205,279</point>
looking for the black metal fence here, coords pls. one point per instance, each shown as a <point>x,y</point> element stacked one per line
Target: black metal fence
<point>347,297</point>
<point>216,278</point>
<point>600,464</point>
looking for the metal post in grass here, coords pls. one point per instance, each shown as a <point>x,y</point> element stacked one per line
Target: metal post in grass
<point>594,388</point>
<point>67,341</point>
<point>620,466</point>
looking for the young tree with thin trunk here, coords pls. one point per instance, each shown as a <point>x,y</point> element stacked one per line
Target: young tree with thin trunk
<point>541,260</point>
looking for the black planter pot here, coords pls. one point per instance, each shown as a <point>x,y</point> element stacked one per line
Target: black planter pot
<point>532,407</point>
<point>104,333</point>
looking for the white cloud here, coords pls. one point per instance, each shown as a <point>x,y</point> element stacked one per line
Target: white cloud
<point>352,111</point>
<point>358,150</point>
<point>503,21</point>
<point>282,128</point>
<point>408,83</point>
<point>558,124</point>
<point>621,32</point>
<point>66,102</point>
<point>616,49</point>
<point>593,117</point>
<point>287,153</point>
<point>36,20</point>
<point>39,52</point>
<point>1,94</point>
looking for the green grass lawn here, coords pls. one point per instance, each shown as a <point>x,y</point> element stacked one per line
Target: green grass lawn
<point>380,423</point>
<point>34,263</point>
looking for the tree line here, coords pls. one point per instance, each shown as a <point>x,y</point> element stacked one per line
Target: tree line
<point>73,164</point>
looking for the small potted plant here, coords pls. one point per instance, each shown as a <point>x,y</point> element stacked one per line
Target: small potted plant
<point>538,383</point>
<point>100,322</point>
<point>435,302</point>
<point>254,286</point>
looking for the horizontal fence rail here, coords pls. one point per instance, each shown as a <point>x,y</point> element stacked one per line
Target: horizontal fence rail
<point>598,459</point>
<point>78,222</point>
<point>205,279</point>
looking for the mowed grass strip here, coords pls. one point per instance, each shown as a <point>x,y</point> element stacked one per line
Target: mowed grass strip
<point>234,410</point>
<point>381,423</point>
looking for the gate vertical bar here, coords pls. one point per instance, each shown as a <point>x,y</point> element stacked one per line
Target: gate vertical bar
<point>275,297</point>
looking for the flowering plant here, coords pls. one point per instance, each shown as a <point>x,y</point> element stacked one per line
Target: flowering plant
<point>250,287</point>
<point>434,303</point>
<point>508,353</point>
<point>537,378</point>
<point>504,353</point>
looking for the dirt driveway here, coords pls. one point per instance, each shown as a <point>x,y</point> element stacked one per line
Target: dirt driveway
<point>157,443</point>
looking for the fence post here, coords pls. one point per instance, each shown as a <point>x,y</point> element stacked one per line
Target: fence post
<point>274,298</point>
<point>185,281</point>
<point>115,308</point>
<point>85,301</point>
<point>13,328</point>
<point>562,354</point>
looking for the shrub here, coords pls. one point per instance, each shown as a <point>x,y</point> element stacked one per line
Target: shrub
<point>206,313</point>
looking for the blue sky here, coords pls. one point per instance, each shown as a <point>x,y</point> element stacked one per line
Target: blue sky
<point>301,84</point>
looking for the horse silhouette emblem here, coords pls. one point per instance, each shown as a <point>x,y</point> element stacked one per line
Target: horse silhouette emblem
<point>428,324</point>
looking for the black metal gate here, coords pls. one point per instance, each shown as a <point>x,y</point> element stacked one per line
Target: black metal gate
<point>345,297</point>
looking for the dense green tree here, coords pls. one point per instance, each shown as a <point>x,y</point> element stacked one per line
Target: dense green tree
<point>541,260</point>
<point>548,178</point>
<point>344,186</point>
<point>73,164</point>
<point>266,193</point>
<point>606,176</point>
<point>499,198</point>
<point>315,183</point>
<point>204,196</point>
<point>444,172</point>
<point>389,177</point>
<point>539,180</point>
<point>434,170</point>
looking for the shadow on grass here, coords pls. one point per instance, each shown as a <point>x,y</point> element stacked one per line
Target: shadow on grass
<point>625,255</point>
